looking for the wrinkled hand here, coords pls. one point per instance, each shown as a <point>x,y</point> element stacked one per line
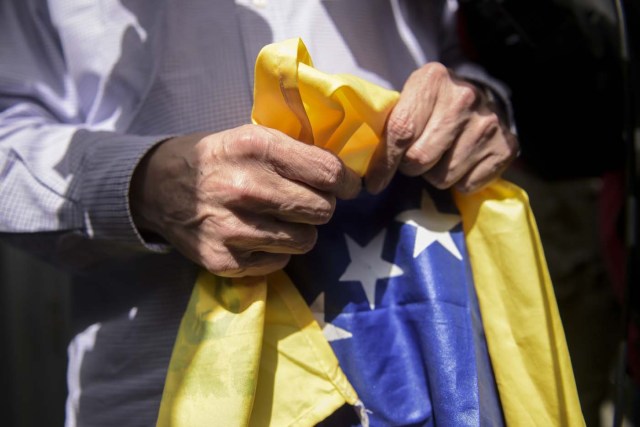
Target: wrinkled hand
<point>241,201</point>
<point>444,129</point>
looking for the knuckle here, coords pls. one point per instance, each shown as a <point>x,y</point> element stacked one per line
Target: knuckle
<point>418,158</point>
<point>250,141</point>
<point>401,129</point>
<point>502,160</point>
<point>300,239</point>
<point>513,146</point>
<point>489,124</point>
<point>308,239</point>
<point>441,181</point>
<point>442,176</point>
<point>324,211</point>
<point>505,150</point>
<point>331,170</point>
<point>434,70</point>
<point>224,265</point>
<point>466,97</point>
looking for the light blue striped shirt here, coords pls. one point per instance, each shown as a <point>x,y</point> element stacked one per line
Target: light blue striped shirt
<point>87,87</point>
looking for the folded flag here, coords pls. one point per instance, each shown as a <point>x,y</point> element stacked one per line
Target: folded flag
<point>390,282</point>
<point>389,286</point>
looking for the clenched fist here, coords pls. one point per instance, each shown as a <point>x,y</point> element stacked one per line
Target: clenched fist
<point>239,202</point>
<point>444,129</point>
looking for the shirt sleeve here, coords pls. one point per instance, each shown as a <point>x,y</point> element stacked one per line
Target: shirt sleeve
<point>57,174</point>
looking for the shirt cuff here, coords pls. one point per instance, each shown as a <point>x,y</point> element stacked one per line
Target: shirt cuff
<point>105,188</point>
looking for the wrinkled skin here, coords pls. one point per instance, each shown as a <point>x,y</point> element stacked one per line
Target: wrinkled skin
<point>446,130</point>
<point>239,202</point>
<point>242,201</point>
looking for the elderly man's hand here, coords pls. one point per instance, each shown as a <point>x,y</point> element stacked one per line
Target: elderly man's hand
<point>444,129</point>
<point>239,202</point>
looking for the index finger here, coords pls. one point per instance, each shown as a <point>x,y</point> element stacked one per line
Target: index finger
<point>313,166</point>
<point>404,126</point>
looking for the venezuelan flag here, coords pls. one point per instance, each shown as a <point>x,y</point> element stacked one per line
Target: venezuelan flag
<point>417,307</point>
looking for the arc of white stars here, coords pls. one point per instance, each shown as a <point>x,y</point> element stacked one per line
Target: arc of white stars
<point>367,265</point>
<point>331,332</point>
<point>431,226</point>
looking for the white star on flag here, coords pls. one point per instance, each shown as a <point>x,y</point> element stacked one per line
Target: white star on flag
<point>431,226</point>
<point>331,332</point>
<point>367,266</point>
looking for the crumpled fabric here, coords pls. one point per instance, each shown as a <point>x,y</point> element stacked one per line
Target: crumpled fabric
<point>249,351</point>
<point>519,311</point>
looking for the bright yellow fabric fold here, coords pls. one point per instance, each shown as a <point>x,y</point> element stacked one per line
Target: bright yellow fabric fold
<point>521,321</point>
<point>342,113</point>
<point>214,369</point>
<point>252,354</point>
<point>248,352</point>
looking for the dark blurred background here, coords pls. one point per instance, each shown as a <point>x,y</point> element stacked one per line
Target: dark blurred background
<point>573,99</point>
<point>34,331</point>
